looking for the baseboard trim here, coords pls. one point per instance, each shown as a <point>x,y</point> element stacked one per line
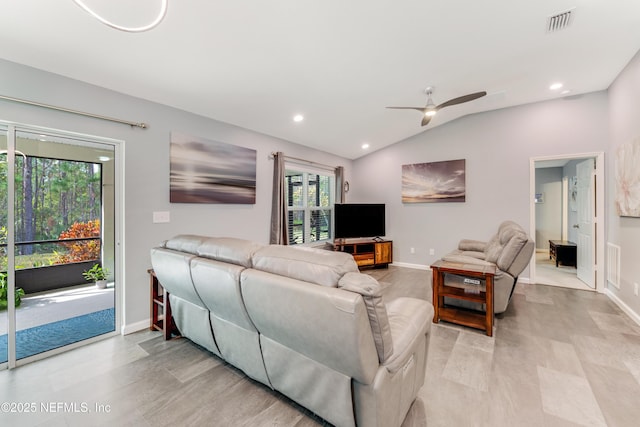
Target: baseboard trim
<point>408,265</point>
<point>135,327</point>
<point>623,306</point>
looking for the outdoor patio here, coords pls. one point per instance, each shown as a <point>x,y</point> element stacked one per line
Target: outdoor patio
<point>61,310</point>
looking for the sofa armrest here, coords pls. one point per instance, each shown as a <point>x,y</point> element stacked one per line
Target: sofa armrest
<point>410,320</point>
<point>465,259</point>
<point>472,245</point>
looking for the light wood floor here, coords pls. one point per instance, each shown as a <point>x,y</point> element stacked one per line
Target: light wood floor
<point>559,357</point>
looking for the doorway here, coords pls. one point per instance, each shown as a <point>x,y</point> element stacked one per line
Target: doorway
<point>57,221</point>
<point>570,212</point>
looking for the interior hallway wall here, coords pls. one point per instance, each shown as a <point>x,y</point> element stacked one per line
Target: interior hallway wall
<point>624,111</point>
<point>549,210</point>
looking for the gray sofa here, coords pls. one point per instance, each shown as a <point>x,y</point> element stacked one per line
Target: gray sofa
<point>510,250</point>
<point>303,321</point>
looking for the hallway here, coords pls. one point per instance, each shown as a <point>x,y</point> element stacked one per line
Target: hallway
<point>548,274</point>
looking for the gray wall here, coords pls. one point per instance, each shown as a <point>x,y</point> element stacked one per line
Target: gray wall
<point>624,111</point>
<point>549,212</point>
<point>146,156</point>
<point>497,146</point>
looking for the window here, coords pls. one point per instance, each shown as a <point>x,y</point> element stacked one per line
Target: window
<point>310,201</point>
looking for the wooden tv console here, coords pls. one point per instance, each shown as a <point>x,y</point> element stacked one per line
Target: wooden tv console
<point>367,253</point>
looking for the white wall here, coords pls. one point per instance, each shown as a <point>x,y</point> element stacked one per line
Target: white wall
<point>549,212</point>
<point>624,114</point>
<point>146,153</point>
<point>497,146</point>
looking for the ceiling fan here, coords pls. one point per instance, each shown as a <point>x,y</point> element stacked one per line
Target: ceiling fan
<point>431,108</point>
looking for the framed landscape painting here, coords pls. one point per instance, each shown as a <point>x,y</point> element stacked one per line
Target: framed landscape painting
<point>205,171</point>
<point>434,182</point>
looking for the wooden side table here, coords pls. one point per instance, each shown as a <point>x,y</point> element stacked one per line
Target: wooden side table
<point>563,252</point>
<point>161,318</point>
<point>458,315</point>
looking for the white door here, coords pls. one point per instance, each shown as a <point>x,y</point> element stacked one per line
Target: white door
<point>585,222</point>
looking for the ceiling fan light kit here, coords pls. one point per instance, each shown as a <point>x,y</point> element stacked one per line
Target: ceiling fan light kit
<point>430,109</point>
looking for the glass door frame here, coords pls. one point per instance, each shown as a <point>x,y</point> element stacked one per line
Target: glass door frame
<point>118,149</point>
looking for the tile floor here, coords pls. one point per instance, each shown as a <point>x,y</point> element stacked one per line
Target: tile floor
<point>559,357</point>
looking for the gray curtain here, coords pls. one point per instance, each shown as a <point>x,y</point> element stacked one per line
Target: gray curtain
<point>279,217</point>
<point>340,195</point>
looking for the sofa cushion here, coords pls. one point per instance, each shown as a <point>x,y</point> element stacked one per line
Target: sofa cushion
<point>173,269</point>
<point>371,292</point>
<point>493,249</point>
<point>309,264</point>
<point>188,243</point>
<point>511,249</point>
<point>472,245</point>
<point>228,249</point>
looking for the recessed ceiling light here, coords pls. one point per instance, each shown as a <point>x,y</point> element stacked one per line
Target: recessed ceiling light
<point>555,86</point>
<point>365,146</point>
<point>298,118</point>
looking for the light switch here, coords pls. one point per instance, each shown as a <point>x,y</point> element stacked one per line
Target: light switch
<point>163,216</point>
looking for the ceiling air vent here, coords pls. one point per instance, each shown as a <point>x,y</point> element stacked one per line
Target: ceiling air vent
<point>560,21</point>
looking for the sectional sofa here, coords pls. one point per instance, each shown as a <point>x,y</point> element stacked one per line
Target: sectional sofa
<point>302,321</point>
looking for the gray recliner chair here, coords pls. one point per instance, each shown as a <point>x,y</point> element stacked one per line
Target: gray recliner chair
<point>510,250</point>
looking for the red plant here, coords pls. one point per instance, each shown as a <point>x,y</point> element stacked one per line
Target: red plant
<point>83,250</point>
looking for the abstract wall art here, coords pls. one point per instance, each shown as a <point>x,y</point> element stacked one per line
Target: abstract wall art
<point>628,179</point>
<point>205,171</point>
<point>434,182</point>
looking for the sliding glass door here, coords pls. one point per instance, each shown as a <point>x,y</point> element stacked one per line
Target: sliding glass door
<point>60,224</point>
<point>4,286</point>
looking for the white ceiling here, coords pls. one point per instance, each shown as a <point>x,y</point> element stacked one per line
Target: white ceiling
<point>256,63</point>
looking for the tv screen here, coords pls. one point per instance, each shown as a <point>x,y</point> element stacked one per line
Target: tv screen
<point>359,220</point>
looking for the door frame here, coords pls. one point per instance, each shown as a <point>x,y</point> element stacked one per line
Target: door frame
<point>118,151</point>
<point>599,211</point>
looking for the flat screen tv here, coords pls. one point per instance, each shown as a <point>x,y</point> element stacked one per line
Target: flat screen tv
<point>359,220</point>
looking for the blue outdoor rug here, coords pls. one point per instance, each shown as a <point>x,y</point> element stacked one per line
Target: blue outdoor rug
<point>57,334</point>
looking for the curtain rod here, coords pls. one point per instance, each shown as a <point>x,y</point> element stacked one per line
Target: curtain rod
<point>67,110</point>
<point>306,161</point>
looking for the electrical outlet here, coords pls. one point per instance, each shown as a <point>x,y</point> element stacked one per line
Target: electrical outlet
<point>413,250</point>
<point>635,289</point>
<point>432,251</point>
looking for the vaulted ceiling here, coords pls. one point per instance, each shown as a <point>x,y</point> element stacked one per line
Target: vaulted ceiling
<point>256,63</point>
